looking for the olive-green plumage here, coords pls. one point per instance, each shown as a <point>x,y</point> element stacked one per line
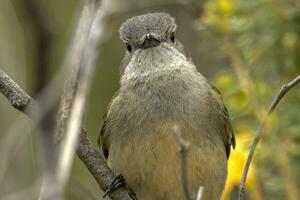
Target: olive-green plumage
<point>160,87</point>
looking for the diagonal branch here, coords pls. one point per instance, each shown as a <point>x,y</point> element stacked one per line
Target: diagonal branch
<point>17,97</point>
<point>86,152</point>
<point>98,168</point>
<point>283,91</point>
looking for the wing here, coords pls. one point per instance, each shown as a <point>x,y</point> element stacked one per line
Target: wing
<point>227,135</point>
<point>104,135</point>
<point>103,139</point>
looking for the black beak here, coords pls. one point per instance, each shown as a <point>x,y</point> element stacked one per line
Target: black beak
<point>149,41</point>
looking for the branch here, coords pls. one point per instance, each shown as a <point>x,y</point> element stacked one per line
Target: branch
<point>17,97</point>
<point>183,149</point>
<point>85,151</point>
<point>283,91</point>
<point>98,168</point>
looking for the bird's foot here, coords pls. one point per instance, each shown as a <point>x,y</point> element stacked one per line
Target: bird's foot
<point>118,182</point>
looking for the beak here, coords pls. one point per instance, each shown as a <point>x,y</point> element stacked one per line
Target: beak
<point>149,41</point>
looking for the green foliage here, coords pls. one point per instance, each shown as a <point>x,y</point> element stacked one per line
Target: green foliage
<point>260,41</point>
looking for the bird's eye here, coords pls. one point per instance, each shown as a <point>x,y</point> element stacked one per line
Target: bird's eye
<point>173,37</point>
<point>128,47</point>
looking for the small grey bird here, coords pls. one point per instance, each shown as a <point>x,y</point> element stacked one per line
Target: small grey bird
<point>160,87</point>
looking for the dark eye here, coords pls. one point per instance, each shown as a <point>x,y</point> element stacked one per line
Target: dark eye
<point>173,37</point>
<point>128,48</point>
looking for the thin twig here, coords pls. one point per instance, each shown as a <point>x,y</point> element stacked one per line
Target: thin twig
<point>183,148</point>
<point>283,91</point>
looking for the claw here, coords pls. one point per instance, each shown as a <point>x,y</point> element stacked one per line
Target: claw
<point>118,182</point>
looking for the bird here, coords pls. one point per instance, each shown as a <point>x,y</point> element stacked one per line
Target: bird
<point>160,88</point>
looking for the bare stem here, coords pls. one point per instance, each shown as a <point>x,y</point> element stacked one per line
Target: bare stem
<point>183,149</point>
<point>82,88</point>
<point>283,91</point>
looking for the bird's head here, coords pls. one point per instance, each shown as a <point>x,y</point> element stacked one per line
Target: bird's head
<point>151,44</point>
<point>149,30</point>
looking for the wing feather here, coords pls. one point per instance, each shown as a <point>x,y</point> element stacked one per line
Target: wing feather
<point>103,139</point>
<point>228,134</point>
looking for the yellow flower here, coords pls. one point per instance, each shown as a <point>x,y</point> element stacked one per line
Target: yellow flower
<point>226,6</point>
<point>235,169</point>
<point>217,14</point>
<point>224,81</point>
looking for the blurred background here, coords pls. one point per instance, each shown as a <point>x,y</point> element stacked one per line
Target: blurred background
<point>248,49</point>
